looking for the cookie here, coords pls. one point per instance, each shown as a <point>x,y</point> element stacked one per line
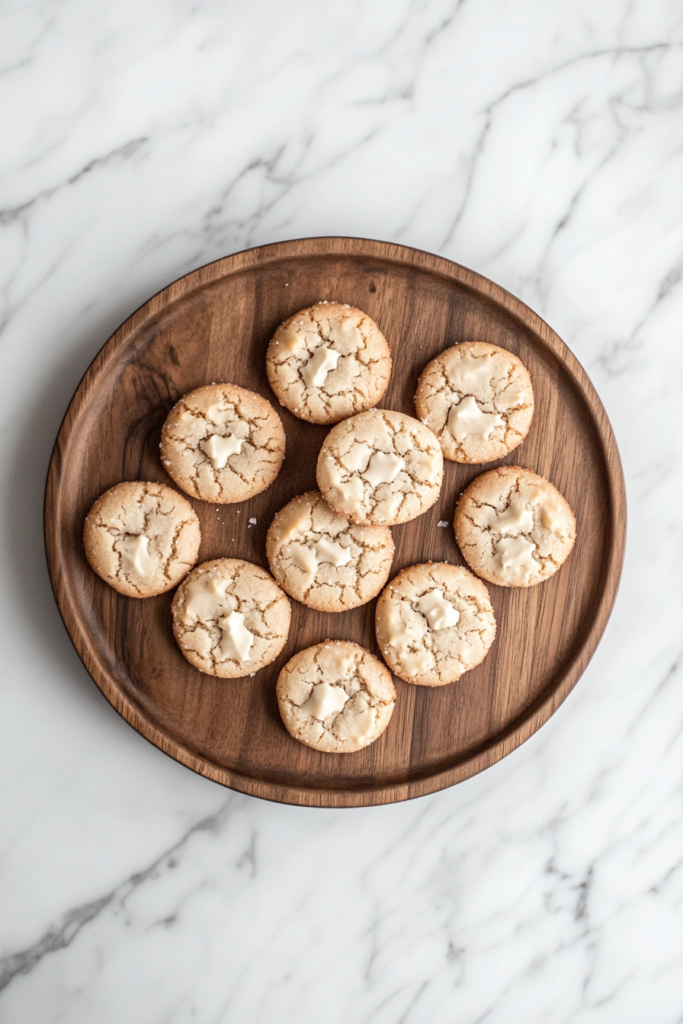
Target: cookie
<point>434,622</point>
<point>324,561</point>
<point>513,527</point>
<point>478,400</point>
<point>223,444</point>
<point>141,538</point>
<point>380,467</point>
<point>335,697</point>
<point>230,618</point>
<point>328,362</point>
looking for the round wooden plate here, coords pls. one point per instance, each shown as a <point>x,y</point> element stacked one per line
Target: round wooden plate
<point>214,325</point>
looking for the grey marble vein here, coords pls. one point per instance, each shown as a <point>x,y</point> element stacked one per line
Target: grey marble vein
<point>61,935</point>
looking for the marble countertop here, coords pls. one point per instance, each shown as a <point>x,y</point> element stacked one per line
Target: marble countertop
<point>539,144</point>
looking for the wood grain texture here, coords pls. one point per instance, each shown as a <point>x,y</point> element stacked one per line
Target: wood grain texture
<point>214,325</point>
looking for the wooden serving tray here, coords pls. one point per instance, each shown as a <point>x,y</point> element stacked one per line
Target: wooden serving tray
<point>214,325</point>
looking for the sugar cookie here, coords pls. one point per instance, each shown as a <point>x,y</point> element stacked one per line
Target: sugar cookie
<point>478,400</point>
<point>324,561</point>
<point>380,467</point>
<point>222,443</point>
<point>141,538</point>
<point>230,618</point>
<point>434,622</point>
<point>513,527</point>
<point>335,697</point>
<point>328,362</point>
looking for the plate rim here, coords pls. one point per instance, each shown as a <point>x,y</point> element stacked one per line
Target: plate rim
<point>533,717</point>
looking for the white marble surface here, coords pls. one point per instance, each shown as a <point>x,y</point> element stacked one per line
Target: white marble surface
<point>539,143</point>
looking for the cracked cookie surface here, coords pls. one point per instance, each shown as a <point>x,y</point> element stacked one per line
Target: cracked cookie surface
<point>328,362</point>
<point>434,622</point>
<point>141,538</point>
<point>380,467</point>
<point>336,697</point>
<point>478,400</point>
<point>222,443</point>
<point>514,527</point>
<point>230,618</point>
<point>324,561</point>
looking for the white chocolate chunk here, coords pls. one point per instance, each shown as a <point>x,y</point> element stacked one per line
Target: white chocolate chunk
<point>135,556</point>
<point>213,413</point>
<point>512,397</point>
<point>342,662</point>
<point>325,700</point>
<point>308,559</point>
<point>516,555</point>
<point>219,449</point>
<point>304,558</point>
<point>553,517</point>
<point>237,641</point>
<point>331,551</point>
<point>318,366</point>
<point>414,662</point>
<point>474,371</point>
<point>401,632</point>
<point>347,494</point>
<point>439,613</point>
<point>202,596</point>
<point>466,419</point>
<point>516,518</point>
<point>427,464</point>
<point>383,469</point>
<point>292,341</point>
<point>300,522</point>
<point>360,726</point>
